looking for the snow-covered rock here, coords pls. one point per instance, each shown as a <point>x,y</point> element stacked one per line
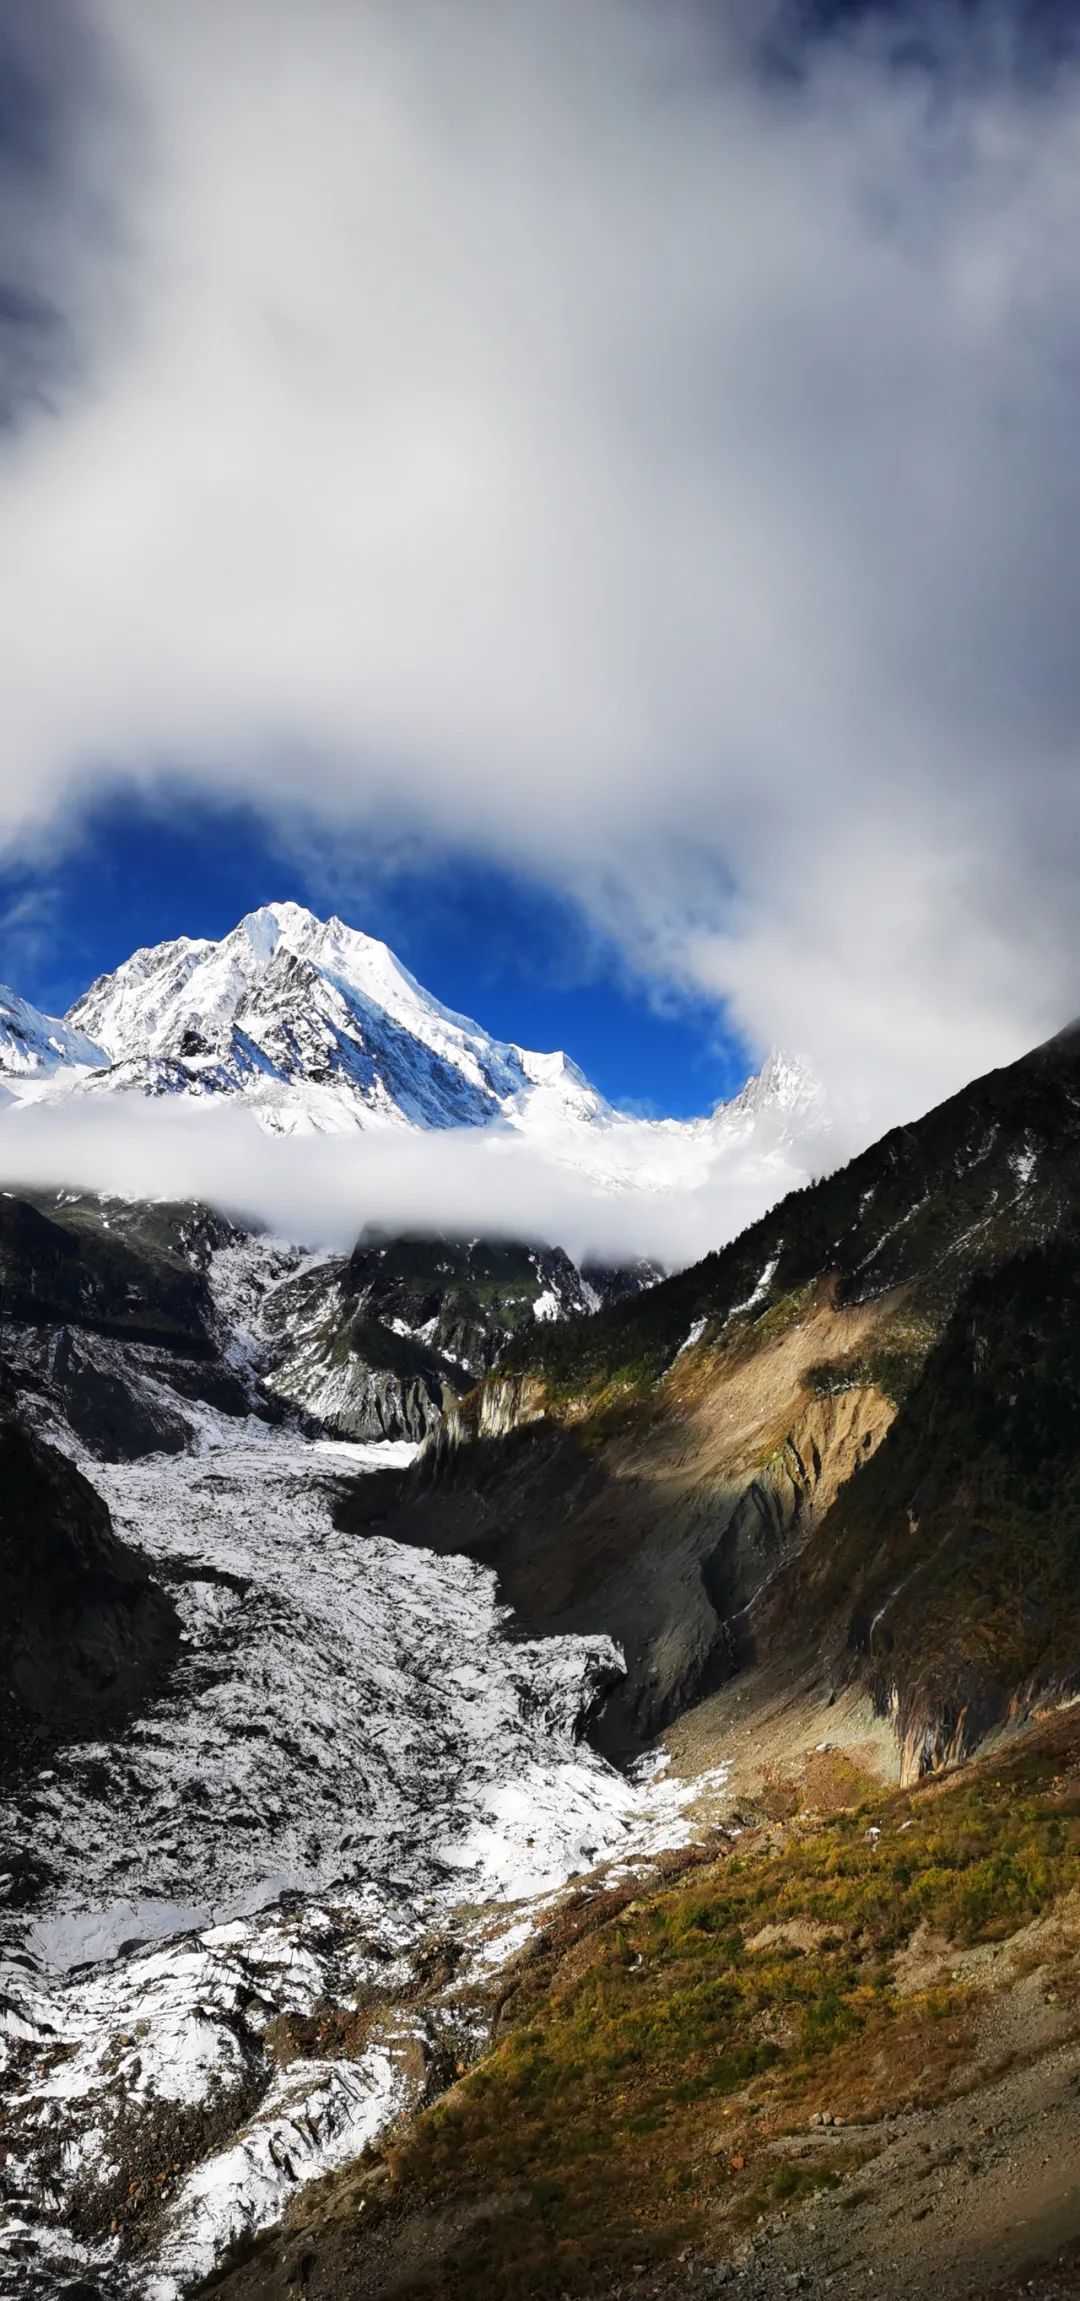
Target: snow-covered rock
<point>318,1028</point>
<point>316,1025</point>
<point>33,1045</point>
<point>216,1980</point>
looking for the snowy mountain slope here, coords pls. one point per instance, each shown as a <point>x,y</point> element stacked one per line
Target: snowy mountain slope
<point>33,1045</point>
<point>126,1313</point>
<point>377,1344</point>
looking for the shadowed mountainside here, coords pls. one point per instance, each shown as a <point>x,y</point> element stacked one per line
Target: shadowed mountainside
<point>120,1306</point>
<point>84,1630</point>
<point>698,1471</point>
<point>382,1342</point>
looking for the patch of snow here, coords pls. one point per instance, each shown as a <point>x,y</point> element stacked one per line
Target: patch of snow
<point>316,2116</point>
<point>760,1291</point>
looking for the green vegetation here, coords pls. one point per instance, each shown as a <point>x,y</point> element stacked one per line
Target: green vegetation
<point>67,1261</point>
<point>468,1295</point>
<point>656,2046</point>
<point>892,1363</point>
<point>389,1353</point>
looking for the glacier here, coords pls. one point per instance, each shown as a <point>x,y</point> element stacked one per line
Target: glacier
<point>357,1775</point>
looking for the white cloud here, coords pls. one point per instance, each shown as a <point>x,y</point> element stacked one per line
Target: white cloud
<point>536,422</point>
<point>325,1189</point>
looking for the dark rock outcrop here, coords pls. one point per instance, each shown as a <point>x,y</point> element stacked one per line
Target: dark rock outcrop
<point>382,1344</point>
<point>84,1630</point>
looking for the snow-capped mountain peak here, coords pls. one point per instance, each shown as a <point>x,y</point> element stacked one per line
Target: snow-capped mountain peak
<point>783,1085</point>
<point>315,1023</point>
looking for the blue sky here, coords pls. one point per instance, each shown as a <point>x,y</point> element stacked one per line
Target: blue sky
<point>493,944</point>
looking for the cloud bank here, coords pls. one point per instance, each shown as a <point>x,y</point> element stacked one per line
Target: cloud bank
<point>324,1190</point>
<point>561,429</point>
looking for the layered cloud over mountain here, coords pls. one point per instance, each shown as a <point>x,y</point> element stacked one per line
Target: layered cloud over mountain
<point>297,1073</point>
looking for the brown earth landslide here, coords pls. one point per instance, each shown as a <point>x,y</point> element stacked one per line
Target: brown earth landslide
<point>661,1524</point>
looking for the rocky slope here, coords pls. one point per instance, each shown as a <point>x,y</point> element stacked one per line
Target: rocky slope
<point>682,1469</point>
<point>381,1343</point>
<point>265,1911</point>
<point>823,1490</point>
<point>35,1046</point>
<point>126,1311</point>
<point>842,2057</point>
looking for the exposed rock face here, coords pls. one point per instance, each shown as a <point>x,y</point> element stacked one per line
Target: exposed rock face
<point>111,1396</point>
<point>110,1323</point>
<point>666,1524</point>
<point>382,1344</point>
<point>83,1628</point>
<point>114,1306</point>
<point>947,1578</point>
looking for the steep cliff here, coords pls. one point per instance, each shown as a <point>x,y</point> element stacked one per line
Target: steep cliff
<point>84,1630</point>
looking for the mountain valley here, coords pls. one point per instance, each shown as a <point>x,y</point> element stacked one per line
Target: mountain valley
<point>526,1777</point>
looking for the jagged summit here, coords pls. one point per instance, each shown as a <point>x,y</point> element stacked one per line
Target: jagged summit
<point>783,1089</point>
<point>318,1025</point>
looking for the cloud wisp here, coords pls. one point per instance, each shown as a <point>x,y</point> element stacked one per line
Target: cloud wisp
<point>551,428</point>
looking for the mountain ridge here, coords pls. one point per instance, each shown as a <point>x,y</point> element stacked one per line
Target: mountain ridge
<point>831,1386</point>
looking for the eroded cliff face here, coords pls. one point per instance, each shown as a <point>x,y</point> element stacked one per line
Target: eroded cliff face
<point>665,1520</point>
<point>702,1472</point>
<point>498,1406</point>
<point>771,1500</point>
<point>945,1579</point>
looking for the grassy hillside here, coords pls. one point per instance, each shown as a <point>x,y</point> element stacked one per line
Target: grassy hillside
<point>664,2055</point>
